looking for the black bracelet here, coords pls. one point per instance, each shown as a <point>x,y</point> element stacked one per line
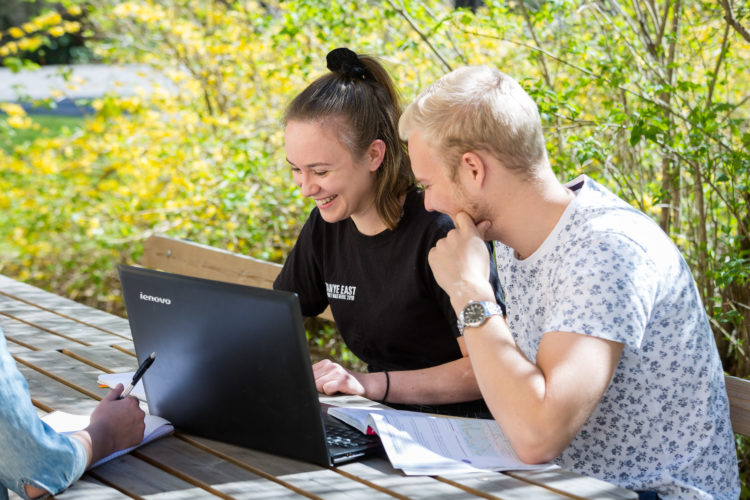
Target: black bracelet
<point>387,387</point>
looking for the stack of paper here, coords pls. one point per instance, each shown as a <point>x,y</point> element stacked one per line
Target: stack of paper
<point>423,444</point>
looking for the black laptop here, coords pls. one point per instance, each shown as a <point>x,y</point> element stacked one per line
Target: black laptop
<point>233,365</point>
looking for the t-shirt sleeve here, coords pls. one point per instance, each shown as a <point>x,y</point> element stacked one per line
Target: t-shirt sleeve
<point>605,288</point>
<point>32,452</point>
<point>302,273</point>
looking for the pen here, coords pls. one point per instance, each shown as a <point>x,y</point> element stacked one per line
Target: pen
<point>138,374</point>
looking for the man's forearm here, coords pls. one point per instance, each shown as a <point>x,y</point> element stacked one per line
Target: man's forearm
<point>541,406</point>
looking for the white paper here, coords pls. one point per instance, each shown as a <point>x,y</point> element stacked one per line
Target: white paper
<point>68,423</point>
<point>424,444</point>
<point>112,379</point>
<point>359,417</point>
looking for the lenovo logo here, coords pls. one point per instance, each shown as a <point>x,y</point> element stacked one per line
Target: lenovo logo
<point>151,298</point>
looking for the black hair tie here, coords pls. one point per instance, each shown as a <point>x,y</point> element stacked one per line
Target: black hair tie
<point>346,62</point>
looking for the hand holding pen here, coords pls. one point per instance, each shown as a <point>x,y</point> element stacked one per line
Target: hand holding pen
<point>138,374</point>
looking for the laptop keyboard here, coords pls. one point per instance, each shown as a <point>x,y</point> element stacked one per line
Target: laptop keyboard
<point>343,436</point>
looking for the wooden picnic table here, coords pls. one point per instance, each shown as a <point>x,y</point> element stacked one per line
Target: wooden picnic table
<point>61,347</point>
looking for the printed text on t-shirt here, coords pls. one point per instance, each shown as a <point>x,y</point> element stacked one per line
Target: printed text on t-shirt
<point>341,292</point>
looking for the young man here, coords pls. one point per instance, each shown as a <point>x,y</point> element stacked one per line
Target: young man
<point>35,459</point>
<point>605,362</point>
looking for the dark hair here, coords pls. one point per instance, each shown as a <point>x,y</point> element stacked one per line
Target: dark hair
<point>359,99</point>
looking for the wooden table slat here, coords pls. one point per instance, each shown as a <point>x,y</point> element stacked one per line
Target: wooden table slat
<point>71,308</point>
<point>91,488</point>
<point>198,466</point>
<point>573,484</point>
<point>109,357</point>
<point>55,395</point>
<point>18,332</point>
<point>135,477</point>
<point>299,476</point>
<point>66,370</point>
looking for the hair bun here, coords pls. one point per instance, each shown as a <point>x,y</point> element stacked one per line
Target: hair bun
<point>346,62</point>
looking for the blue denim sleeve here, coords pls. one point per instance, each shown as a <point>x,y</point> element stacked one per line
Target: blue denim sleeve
<point>32,453</point>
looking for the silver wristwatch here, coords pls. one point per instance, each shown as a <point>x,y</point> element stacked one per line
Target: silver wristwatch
<point>476,313</point>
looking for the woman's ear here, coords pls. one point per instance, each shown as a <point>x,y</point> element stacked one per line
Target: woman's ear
<point>375,154</point>
<point>473,170</point>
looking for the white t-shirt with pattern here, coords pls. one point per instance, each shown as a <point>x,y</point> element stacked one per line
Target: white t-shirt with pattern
<point>609,271</point>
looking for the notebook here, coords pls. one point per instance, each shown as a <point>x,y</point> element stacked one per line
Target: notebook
<point>233,365</point>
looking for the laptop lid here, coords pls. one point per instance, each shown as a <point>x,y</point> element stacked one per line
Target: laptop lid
<point>232,362</point>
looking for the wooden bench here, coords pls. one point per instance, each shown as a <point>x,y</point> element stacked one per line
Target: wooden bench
<point>202,261</point>
<point>738,390</point>
<point>193,259</point>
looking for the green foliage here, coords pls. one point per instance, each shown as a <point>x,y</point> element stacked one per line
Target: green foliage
<point>648,97</point>
<point>325,342</point>
<point>52,36</point>
<point>41,126</point>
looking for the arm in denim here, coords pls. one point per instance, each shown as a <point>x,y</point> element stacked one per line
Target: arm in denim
<point>32,453</point>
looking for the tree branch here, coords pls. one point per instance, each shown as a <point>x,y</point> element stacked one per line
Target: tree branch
<point>717,68</point>
<point>733,22</point>
<point>643,25</point>
<point>424,38</point>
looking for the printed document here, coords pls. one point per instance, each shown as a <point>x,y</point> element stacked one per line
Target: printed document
<point>424,444</point>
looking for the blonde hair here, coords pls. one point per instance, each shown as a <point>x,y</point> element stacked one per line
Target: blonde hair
<point>478,108</point>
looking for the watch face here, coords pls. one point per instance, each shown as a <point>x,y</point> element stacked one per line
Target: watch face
<point>474,314</point>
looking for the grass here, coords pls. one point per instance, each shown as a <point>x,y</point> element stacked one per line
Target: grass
<point>46,126</point>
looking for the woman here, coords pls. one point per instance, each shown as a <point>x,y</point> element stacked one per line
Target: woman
<point>363,250</point>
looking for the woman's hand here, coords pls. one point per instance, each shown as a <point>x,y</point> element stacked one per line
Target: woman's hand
<point>332,378</point>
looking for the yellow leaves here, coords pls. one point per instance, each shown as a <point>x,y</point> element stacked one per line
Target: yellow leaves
<point>4,200</point>
<point>93,227</point>
<point>20,122</point>
<point>72,26</point>
<point>40,248</point>
<point>130,104</point>
<point>9,49</point>
<point>12,109</point>
<point>97,126</point>
<point>56,31</point>
<point>30,44</point>
<point>49,19</point>
<point>124,9</point>
<point>109,186</point>
<point>144,12</point>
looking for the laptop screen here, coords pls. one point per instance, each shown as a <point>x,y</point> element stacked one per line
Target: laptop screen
<point>232,361</point>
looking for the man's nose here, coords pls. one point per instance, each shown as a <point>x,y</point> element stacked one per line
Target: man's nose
<point>427,203</point>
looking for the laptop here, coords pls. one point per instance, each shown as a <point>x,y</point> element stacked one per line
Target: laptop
<point>233,365</point>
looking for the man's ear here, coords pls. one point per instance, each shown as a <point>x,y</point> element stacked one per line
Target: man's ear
<point>473,169</point>
<point>375,154</point>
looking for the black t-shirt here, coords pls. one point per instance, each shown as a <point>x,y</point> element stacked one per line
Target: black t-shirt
<point>388,308</point>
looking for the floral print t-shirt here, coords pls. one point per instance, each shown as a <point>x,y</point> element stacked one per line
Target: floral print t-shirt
<point>609,271</point>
